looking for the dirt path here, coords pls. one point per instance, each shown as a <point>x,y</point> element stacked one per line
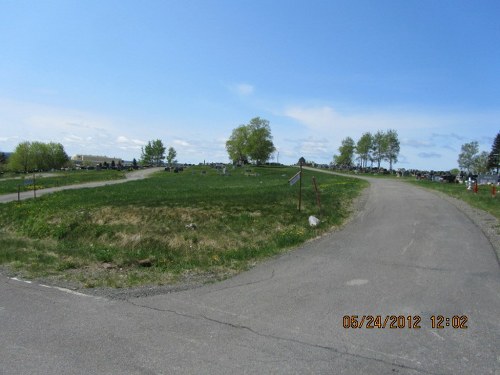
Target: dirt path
<point>132,176</point>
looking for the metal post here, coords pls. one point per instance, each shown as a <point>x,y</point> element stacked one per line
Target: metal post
<point>34,185</point>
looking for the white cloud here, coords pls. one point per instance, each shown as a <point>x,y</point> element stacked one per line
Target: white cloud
<point>180,142</point>
<point>243,89</point>
<point>6,139</point>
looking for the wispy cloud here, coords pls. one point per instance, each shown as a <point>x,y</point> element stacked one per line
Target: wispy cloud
<point>182,143</point>
<point>417,143</point>
<point>448,137</point>
<point>429,155</point>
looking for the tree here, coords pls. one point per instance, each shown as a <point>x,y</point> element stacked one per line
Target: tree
<point>480,163</point>
<point>3,161</point>
<point>38,153</point>
<point>363,148</point>
<point>466,157</point>
<point>30,156</point>
<point>251,142</point>
<point>379,147</point>
<point>494,156</point>
<point>153,153</point>
<point>134,163</point>
<point>392,147</point>
<point>260,140</point>
<point>237,145</point>
<point>171,156</point>
<point>56,156</point>
<point>346,151</point>
<point>20,160</point>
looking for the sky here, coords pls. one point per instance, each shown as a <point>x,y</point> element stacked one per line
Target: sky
<point>106,77</point>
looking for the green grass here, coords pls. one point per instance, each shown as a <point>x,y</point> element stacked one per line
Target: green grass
<point>25,182</point>
<point>239,220</point>
<point>482,199</point>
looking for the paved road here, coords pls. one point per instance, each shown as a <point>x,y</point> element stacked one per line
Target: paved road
<point>407,253</point>
<point>135,175</point>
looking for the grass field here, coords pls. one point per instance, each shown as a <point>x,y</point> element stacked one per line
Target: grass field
<point>10,185</point>
<point>482,199</point>
<point>97,237</point>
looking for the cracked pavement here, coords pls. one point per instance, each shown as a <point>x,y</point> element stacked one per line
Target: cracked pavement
<point>406,252</point>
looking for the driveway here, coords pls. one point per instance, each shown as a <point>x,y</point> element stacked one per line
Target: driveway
<point>408,253</point>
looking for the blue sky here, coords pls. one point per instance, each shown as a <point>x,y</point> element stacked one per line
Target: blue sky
<point>104,77</point>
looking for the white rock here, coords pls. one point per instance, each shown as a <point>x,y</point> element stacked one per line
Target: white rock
<point>313,221</point>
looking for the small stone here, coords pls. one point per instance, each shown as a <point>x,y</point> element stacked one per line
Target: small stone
<point>145,263</point>
<point>191,226</point>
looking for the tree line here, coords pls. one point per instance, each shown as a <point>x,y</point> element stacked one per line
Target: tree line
<point>473,161</point>
<point>39,156</point>
<point>370,148</point>
<point>153,153</point>
<point>31,156</point>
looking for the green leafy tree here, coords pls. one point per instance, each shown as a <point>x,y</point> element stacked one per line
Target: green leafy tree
<point>494,156</point>
<point>21,159</point>
<point>3,161</point>
<point>153,153</point>
<point>392,147</point>
<point>251,142</point>
<point>56,156</point>
<point>480,163</point>
<point>260,140</point>
<point>467,155</point>
<point>38,152</point>
<point>379,147</point>
<point>237,145</point>
<point>363,148</point>
<point>171,156</point>
<point>346,153</point>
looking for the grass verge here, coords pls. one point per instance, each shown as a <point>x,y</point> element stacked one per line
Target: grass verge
<point>154,231</point>
<point>55,179</point>
<point>482,199</point>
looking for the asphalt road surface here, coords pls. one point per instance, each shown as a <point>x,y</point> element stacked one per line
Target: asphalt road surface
<point>408,253</point>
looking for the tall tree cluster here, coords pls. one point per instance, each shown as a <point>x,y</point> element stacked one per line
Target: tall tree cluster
<point>494,156</point>
<point>378,147</point>
<point>473,161</point>
<point>29,156</point>
<point>251,142</point>
<point>153,153</point>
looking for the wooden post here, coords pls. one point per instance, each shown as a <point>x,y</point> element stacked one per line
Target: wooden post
<point>300,187</point>
<point>318,197</point>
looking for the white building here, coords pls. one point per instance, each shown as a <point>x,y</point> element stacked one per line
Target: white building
<point>94,160</point>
